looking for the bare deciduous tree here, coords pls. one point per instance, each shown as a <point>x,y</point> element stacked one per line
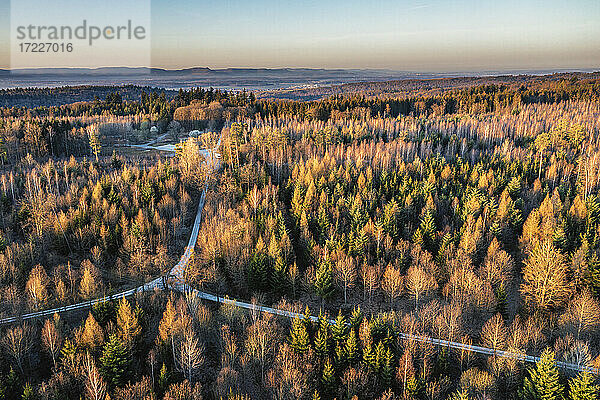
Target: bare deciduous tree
<point>190,354</point>
<point>95,386</point>
<point>51,337</point>
<point>419,282</point>
<point>17,342</point>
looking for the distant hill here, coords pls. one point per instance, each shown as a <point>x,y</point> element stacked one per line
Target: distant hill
<point>37,97</point>
<point>405,86</point>
<point>255,79</point>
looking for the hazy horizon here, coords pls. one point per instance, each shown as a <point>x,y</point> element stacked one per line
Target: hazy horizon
<point>416,36</point>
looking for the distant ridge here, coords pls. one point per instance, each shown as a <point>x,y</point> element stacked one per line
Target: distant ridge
<point>254,79</point>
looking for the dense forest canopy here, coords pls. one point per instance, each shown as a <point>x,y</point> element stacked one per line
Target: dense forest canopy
<point>471,215</point>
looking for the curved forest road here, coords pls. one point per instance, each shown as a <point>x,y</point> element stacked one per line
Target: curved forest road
<point>175,280</point>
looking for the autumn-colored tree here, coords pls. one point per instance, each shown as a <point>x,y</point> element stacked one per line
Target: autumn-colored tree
<point>419,282</point>
<point>37,285</point>
<point>90,336</point>
<point>52,337</point>
<point>91,283</point>
<point>190,354</point>
<point>346,275</point>
<point>168,325</point>
<point>546,285</point>
<point>392,283</point>
<point>128,326</point>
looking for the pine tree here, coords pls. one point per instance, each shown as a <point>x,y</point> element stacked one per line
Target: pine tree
<point>415,388</point>
<point>299,339</point>
<point>460,395</point>
<point>387,370</point>
<point>328,380</point>
<point>352,348</point>
<point>324,280</point>
<point>543,382</point>
<point>258,271</point>
<point>340,356</point>
<point>164,379</point>
<point>582,387</point>
<point>114,362</point>
<point>28,393</point>
<point>379,357</point>
<point>68,356</point>
<point>355,318</point>
<point>369,356</point>
<point>339,328</point>
<point>94,137</point>
<point>322,343</point>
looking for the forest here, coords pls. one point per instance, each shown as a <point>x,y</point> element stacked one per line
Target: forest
<point>470,216</point>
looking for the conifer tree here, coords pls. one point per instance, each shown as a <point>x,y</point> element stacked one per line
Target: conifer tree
<point>299,339</point>
<point>114,362</point>
<point>543,382</point>
<point>324,280</point>
<point>128,326</point>
<point>339,328</point>
<point>352,348</point>
<point>328,380</point>
<point>322,343</point>
<point>388,370</point>
<point>582,387</point>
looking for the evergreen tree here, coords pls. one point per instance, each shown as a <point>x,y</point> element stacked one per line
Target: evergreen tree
<point>322,343</point>
<point>339,329</point>
<point>164,379</point>
<point>328,380</point>
<point>369,356</point>
<point>114,362</point>
<point>415,388</point>
<point>324,280</point>
<point>543,382</point>
<point>28,393</point>
<point>460,395</point>
<point>352,348</point>
<point>582,387</point>
<point>258,271</point>
<point>388,370</point>
<point>355,318</point>
<point>299,339</point>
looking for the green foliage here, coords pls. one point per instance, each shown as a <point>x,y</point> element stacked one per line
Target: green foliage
<point>352,350</point>
<point>28,393</point>
<point>104,312</point>
<point>583,387</point>
<point>415,388</point>
<point>324,280</point>
<point>164,379</point>
<point>543,380</point>
<point>328,380</point>
<point>114,362</point>
<point>299,339</point>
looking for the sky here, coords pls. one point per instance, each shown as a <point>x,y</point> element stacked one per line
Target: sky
<point>406,35</point>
